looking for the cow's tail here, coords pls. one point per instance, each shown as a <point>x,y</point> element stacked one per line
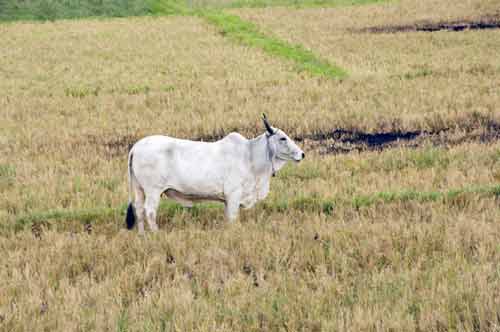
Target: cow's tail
<point>130,219</point>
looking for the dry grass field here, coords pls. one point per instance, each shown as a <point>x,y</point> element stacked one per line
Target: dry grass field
<point>369,233</point>
<point>336,34</point>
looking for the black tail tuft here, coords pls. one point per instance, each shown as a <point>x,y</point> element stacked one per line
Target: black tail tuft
<point>130,216</point>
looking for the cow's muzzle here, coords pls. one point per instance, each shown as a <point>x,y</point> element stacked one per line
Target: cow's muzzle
<point>300,157</point>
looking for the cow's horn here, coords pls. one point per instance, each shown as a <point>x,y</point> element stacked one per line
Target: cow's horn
<point>268,126</point>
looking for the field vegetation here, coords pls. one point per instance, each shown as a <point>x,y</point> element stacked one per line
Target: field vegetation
<point>363,235</point>
<point>11,10</point>
<point>49,10</point>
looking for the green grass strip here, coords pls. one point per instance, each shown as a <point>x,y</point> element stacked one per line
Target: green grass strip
<point>86,215</point>
<point>170,7</point>
<point>306,203</point>
<point>248,34</point>
<point>83,215</point>
<point>421,196</point>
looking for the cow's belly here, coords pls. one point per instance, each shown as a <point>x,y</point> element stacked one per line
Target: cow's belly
<point>196,190</point>
<point>188,199</point>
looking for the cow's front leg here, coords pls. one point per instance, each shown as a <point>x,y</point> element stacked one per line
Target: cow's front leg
<point>232,206</point>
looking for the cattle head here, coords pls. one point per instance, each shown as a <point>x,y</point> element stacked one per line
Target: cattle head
<point>281,146</point>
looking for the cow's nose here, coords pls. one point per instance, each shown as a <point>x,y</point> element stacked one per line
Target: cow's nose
<point>303,155</point>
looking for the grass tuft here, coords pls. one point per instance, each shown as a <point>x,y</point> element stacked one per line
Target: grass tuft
<point>7,175</point>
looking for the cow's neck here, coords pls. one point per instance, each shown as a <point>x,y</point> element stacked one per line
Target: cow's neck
<point>259,152</point>
<point>263,164</point>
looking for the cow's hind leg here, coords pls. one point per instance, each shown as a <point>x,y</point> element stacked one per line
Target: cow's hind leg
<point>139,208</point>
<point>151,207</point>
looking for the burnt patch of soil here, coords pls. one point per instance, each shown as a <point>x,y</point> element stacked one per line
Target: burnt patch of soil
<point>360,138</point>
<point>344,141</point>
<point>481,23</point>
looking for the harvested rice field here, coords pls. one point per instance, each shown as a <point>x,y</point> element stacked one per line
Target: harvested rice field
<point>392,222</point>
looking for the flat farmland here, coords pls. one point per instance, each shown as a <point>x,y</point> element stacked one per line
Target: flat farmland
<point>391,222</point>
<point>462,68</point>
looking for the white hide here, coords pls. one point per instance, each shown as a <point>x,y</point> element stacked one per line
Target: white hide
<point>233,170</point>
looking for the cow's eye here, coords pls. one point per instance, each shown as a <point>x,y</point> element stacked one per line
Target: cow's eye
<point>283,139</point>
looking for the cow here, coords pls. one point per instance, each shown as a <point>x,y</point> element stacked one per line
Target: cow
<point>234,170</point>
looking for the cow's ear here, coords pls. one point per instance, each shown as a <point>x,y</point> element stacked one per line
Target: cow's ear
<point>267,125</point>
